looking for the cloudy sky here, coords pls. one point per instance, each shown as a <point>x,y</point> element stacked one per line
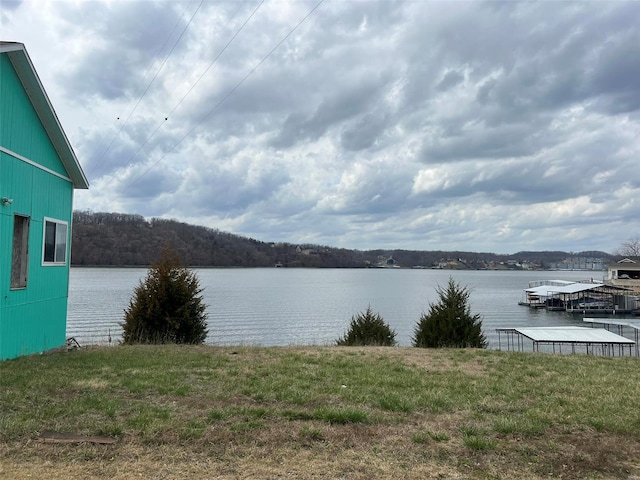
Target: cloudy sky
<point>493,127</point>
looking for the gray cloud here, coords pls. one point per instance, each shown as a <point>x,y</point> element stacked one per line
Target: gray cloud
<point>364,132</point>
<point>125,39</point>
<point>335,109</point>
<point>10,4</point>
<point>450,80</point>
<point>492,126</point>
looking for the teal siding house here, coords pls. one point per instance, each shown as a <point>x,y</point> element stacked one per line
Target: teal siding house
<point>38,174</point>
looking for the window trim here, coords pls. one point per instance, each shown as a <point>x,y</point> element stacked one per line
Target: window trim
<point>55,247</point>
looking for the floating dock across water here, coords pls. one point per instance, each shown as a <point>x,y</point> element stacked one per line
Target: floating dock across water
<point>580,297</point>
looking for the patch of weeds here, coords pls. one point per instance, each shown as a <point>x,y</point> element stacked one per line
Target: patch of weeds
<point>483,353</point>
<point>192,430</point>
<point>299,398</point>
<point>436,402</point>
<point>246,426</point>
<point>217,414</point>
<point>243,414</point>
<point>468,430</point>
<point>440,436</point>
<point>475,442</point>
<point>110,410</point>
<point>552,446</point>
<point>110,430</point>
<point>475,438</point>
<point>148,417</point>
<point>311,433</point>
<point>463,355</point>
<point>182,391</point>
<point>425,436</point>
<point>140,422</point>
<point>294,396</point>
<point>254,412</point>
<point>491,406</point>
<point>11,427</point>
<point>87,454</point>
<point>520,425</point>
<point>297,415</point>
<point>395,403</point>
<point>341,416</point>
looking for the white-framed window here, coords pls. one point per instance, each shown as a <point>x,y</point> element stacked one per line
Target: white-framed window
<point>54,243</point>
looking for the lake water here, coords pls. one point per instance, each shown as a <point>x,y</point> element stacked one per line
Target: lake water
<point>281,306</point>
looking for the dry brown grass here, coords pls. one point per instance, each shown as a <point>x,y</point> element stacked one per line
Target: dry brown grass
<point>344,452</point>
<point>256,437</point>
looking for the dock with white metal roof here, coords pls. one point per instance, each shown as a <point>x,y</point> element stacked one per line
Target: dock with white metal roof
<point>593,341</point>
<point>620,324</point>
<point>579,297</point>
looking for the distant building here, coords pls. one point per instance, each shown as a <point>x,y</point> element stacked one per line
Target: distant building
<point>38,174</point>
<point>624,273</point>
<point>579,263</point>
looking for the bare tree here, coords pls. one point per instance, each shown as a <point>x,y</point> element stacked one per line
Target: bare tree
<point>629,248</point>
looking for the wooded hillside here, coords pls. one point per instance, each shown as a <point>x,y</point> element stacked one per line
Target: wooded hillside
<point>119,239</point>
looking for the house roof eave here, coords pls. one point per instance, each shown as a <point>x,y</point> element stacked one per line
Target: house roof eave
<point>31,82</point>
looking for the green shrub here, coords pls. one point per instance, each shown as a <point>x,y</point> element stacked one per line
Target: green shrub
<point>167,306</point>
<point>449,322</point>
<point>368,328</point>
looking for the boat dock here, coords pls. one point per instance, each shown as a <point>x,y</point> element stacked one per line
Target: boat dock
<point>619,324</point>
<point>580,297</point>
<point>592,341</point>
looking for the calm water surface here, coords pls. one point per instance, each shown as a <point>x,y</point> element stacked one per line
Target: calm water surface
<point>280,306</point>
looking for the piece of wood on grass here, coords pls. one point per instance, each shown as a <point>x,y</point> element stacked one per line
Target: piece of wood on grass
<point>55,437</point>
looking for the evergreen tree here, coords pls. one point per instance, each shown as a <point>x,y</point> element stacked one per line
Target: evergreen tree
<point>449,322</point>
<point>167,306</point>
<point>368,328</point>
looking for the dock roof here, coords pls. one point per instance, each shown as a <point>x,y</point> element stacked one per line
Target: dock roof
<point>621,322</point>
<point>548,290</point>
<point>572,334</point>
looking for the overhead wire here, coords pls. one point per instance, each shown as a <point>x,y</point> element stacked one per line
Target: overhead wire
<point>175,43</point>
<point>195,83</point>
<point>217,56</point>
<point>228,94</point>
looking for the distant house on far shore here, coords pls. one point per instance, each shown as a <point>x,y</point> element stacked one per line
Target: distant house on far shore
<point>625,273</point>
<point>38,174</point>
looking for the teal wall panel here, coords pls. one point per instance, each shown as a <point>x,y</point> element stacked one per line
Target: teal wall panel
<point>32,319</point>
<point>35,328</point>
<point>20,128</point>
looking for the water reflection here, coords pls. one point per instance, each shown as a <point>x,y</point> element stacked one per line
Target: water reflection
<point>279,307</point>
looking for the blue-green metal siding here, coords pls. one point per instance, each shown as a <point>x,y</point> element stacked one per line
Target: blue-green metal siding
<point>21,131</point>
<point>32,319</point>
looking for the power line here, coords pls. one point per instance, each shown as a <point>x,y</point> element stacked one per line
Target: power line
<point>229,93</point>
<point>152,80</point>
<point>196,82</point>
<point>217,56</point>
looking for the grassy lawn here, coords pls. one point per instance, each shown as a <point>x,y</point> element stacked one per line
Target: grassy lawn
<point>320,412</point>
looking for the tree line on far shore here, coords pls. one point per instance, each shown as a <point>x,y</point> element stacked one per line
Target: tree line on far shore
<point>117,239</point>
